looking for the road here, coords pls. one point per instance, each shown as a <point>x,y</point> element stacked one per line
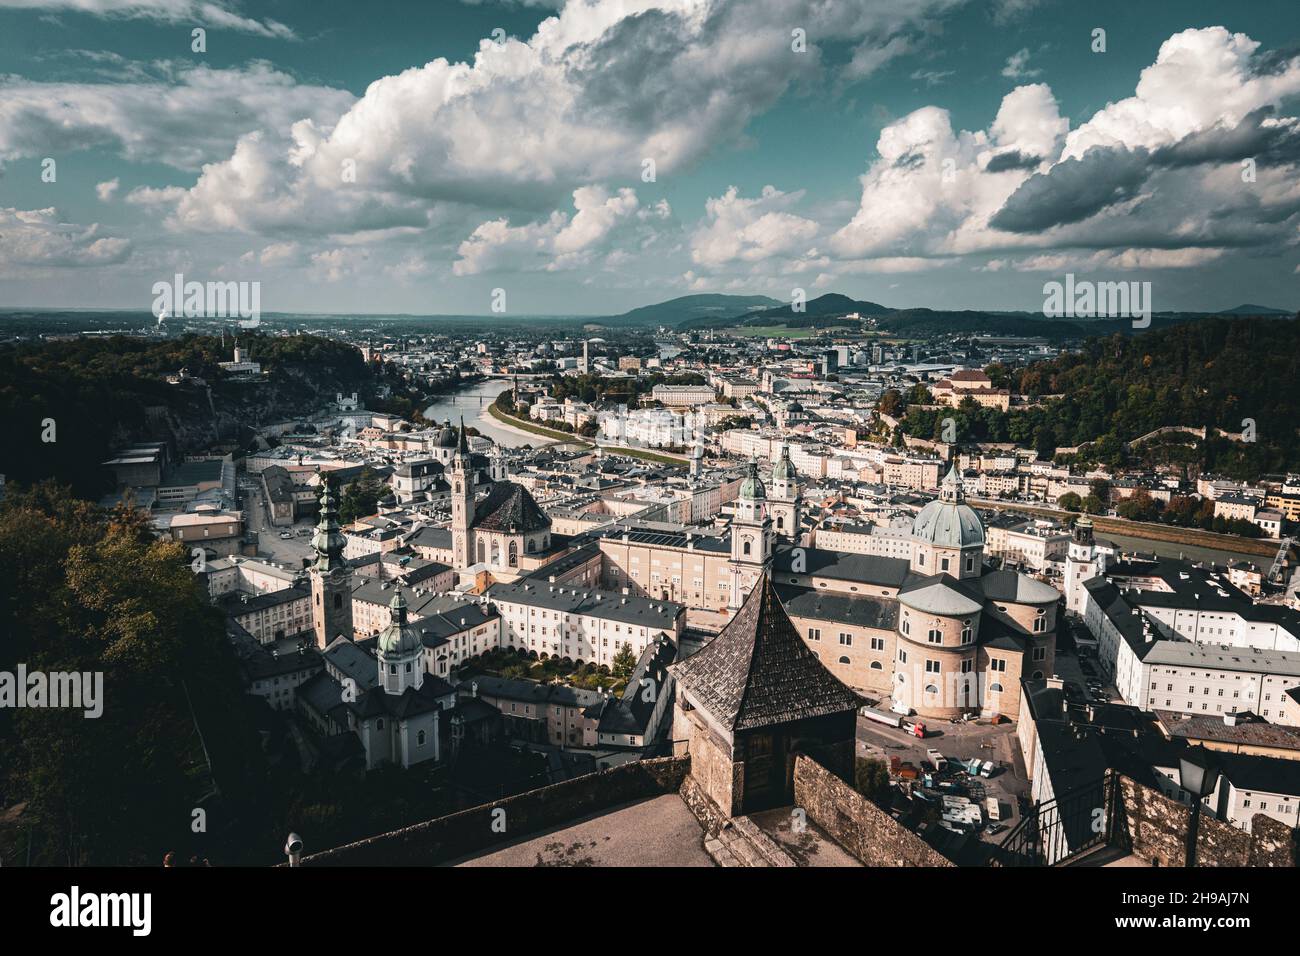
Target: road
<point>270,546</point>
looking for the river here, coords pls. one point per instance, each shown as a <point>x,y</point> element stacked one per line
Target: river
<point>473,402</point>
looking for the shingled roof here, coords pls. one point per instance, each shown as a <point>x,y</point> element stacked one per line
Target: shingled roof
<point>758,672</point>
<point>510,508</point>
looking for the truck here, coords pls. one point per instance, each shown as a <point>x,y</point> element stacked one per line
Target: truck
<point>993,808</point>
<point>881,717</point>
<point>891,719</point>
<point>936,759</point>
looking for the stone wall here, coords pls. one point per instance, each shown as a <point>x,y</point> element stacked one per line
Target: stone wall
<point>857,824</point>
<point>1156,828</point>
<point>472,831</point>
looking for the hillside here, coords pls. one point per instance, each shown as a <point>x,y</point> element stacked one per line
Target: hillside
<point>689,308</point>
<point>106,391</point>
<point>1215,373</point>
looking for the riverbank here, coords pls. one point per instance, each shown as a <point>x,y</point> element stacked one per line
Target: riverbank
<point>519,425</point>
<point>1187,538</point>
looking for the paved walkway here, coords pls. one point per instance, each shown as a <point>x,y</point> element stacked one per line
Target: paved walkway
<point>660,831</point>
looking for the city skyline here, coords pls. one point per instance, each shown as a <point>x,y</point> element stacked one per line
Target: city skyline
<point>944,154</point>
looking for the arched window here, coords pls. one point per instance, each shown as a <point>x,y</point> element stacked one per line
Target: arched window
<point>338,600</point>
<point>379,724</point>
<point>995,688</point>
<point>877,666</point>
<point>496,553</point>
<point>745,547</point>
<point>780,522</point>
<point>419,739</point>
<point>532,546</point>
<point>931,689</point>
<point>514,554</point>
<point>1038,675</point>
<point>482,552</point>
<point>844,660</point>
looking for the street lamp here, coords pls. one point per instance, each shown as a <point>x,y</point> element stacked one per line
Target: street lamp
<point>1199,776</point>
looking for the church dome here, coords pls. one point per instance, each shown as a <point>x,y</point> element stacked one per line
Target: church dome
<point>446,437</point>
<point>752,488</point>
<point>399,639</point>
<point>784,469</point>
<point>949,522</point>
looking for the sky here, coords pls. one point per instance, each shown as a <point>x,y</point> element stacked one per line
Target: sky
<point>592,156</point>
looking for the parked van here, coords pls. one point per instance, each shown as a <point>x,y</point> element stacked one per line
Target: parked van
<point>993,807</point>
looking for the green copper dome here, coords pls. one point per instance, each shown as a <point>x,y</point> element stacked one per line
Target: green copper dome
<point>399,639</point>
<point>752,488</point>
<point>784,469</point>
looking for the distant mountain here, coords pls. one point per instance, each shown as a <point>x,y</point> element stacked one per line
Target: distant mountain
<point>1249,309</point>
<point>832,303</point>
<point>690,308</point>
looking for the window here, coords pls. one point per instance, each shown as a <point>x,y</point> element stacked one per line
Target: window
<point>943,564</point>
<point>932,667</point>
<point>995,688</point>
<point>844,660</point>
<point>935,636</point>
<point>1040,654</point>
<point>877,643</point>
<point>902,657</point>
<point>419,739</point>
<point>745,548</point>
<point>997,664</point>
<point>967,635</point>
<point>814,634</point>
<point>846,640</point>
<point>877,666</point>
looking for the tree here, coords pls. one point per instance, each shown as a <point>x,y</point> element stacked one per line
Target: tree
<point>1070,501</point>
<point>871,779</point>
<point>624,662</point>
<point>94,591</point>
<point>1093,505</point>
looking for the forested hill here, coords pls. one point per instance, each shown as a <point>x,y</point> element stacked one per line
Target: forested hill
<point>1215,373</point>
<point>101,392</point>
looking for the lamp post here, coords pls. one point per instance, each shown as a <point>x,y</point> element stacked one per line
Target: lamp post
<point>1199,776</point>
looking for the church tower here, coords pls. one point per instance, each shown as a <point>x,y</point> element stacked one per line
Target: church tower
<point>751,537</point>
<point>331,576</point>
<point>1082,562</point>
<point>498,463</point>
<point>462,503</point>
<point>399,649</point>
<point>783,505</point>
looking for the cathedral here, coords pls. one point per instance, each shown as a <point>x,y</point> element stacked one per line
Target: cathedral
<point>938,633</point>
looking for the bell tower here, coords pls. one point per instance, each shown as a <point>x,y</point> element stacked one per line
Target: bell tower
<point>751,537</point>
<point>331,576</point>
<point>462,503</point>
<point>783,505</point>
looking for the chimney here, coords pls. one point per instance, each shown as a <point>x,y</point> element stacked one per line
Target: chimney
<point>1230,719</point>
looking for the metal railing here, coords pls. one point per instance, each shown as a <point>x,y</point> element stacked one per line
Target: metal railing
<point>1060,831</point>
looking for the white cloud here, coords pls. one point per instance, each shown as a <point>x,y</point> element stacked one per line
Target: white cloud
<point>1139,176</point>
<point>1017,67</point>
<point>37,238</point>
<point>742,230</point>
<point>185,116</point>
<point>204,13</point>
<point>1200,79</point>
<point>596,90</point>
<point>106,190</point>
<point>560,242</point>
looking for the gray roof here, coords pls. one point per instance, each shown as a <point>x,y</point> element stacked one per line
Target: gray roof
<point>940,594</point>
<point>610,605</point>
<point>948,525</point>
<point>1005,585</point>
<point>758,672</point>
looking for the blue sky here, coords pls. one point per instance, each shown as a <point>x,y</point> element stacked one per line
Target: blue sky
<point>932,153</point>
